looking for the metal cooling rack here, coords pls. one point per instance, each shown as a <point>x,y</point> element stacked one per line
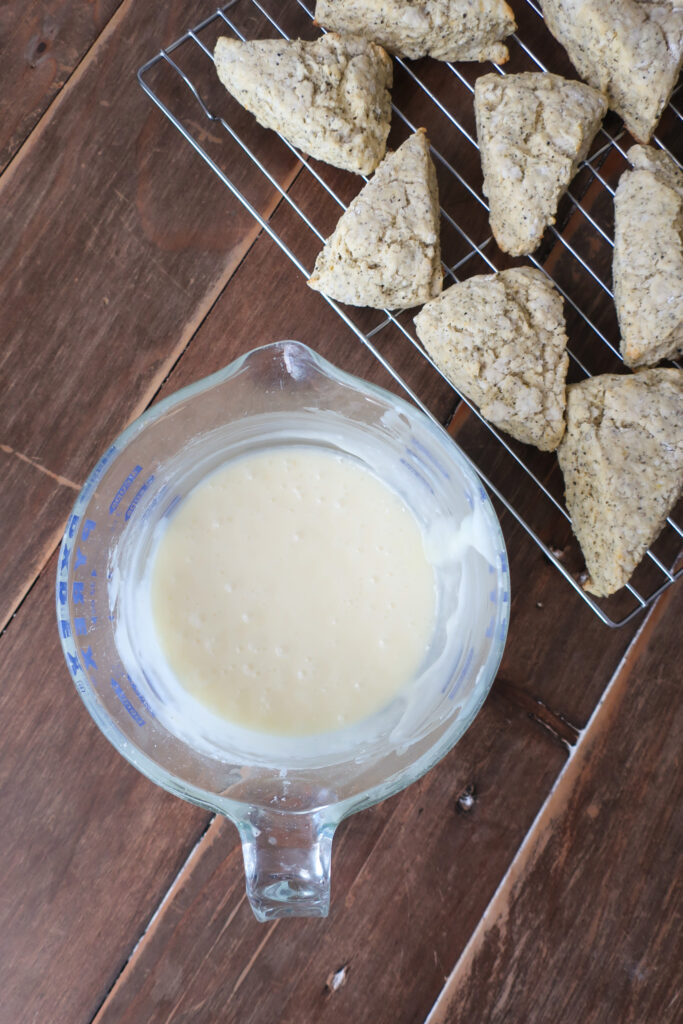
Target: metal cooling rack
<point>579,269</point>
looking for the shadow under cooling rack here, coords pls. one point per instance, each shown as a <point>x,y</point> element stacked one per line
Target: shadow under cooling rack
<point>576,252</point>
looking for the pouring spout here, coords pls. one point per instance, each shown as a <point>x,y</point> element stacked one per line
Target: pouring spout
<point>287,860</point>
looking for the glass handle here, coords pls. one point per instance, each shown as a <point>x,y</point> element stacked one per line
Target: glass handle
<point>287,863</point>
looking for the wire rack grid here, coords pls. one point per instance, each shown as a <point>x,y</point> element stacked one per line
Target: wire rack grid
<point>577,261</point>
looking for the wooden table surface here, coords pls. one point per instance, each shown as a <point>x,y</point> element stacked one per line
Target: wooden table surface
<point>532,876</point>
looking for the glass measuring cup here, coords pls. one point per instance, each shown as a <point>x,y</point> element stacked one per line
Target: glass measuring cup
<point>286,795</point>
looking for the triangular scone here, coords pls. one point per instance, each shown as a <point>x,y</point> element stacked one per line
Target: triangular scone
<point>533,129</point>
<point>629,49</point>
<point>443,29</point>
<point>622,460</point>
<point>330,98</point>
<point>385,249</point>
<point>500,339</point>
<point>648,257</point>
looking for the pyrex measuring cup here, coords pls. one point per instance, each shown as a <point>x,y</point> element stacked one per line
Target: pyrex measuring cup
<point>286,795</point>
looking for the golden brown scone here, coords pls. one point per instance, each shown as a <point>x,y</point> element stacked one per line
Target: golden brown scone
<point>330,98</point>
<point>622,460</point>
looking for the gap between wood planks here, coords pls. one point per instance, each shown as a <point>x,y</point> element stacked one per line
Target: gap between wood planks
<point>555,723</point>
<point>168,895</point>
<point>39,466</point>
<point>551,809</point>
<point>66,88</point>
<point>191,330</point>
<point>213,827</point>
<point>544,716</point>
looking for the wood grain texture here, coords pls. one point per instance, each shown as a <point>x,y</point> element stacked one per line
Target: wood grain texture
<point>38,501</point>
<point>88,847</point>
<point>106,266</point>
<point>268,300</point>
<point>410,880</point>
<point>588,924</point>
<point>42,43</point>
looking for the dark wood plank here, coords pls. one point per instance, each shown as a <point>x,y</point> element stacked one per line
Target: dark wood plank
<point>42,44</point>
<point>38,498</point>
<point>116,242</point>
<point>249,314</point>
<point>411,878</point>
<point>88,847</point>
<point>587,926</point>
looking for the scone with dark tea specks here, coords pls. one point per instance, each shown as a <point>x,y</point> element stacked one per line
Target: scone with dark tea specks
<point>329,98</point>
<point>648,257</point>
<point>631,50</point>
<point>442,29</point>
<point>500,339</point>
<point>622,460</point>
<point>385,250</point>
<point>534,129</point>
